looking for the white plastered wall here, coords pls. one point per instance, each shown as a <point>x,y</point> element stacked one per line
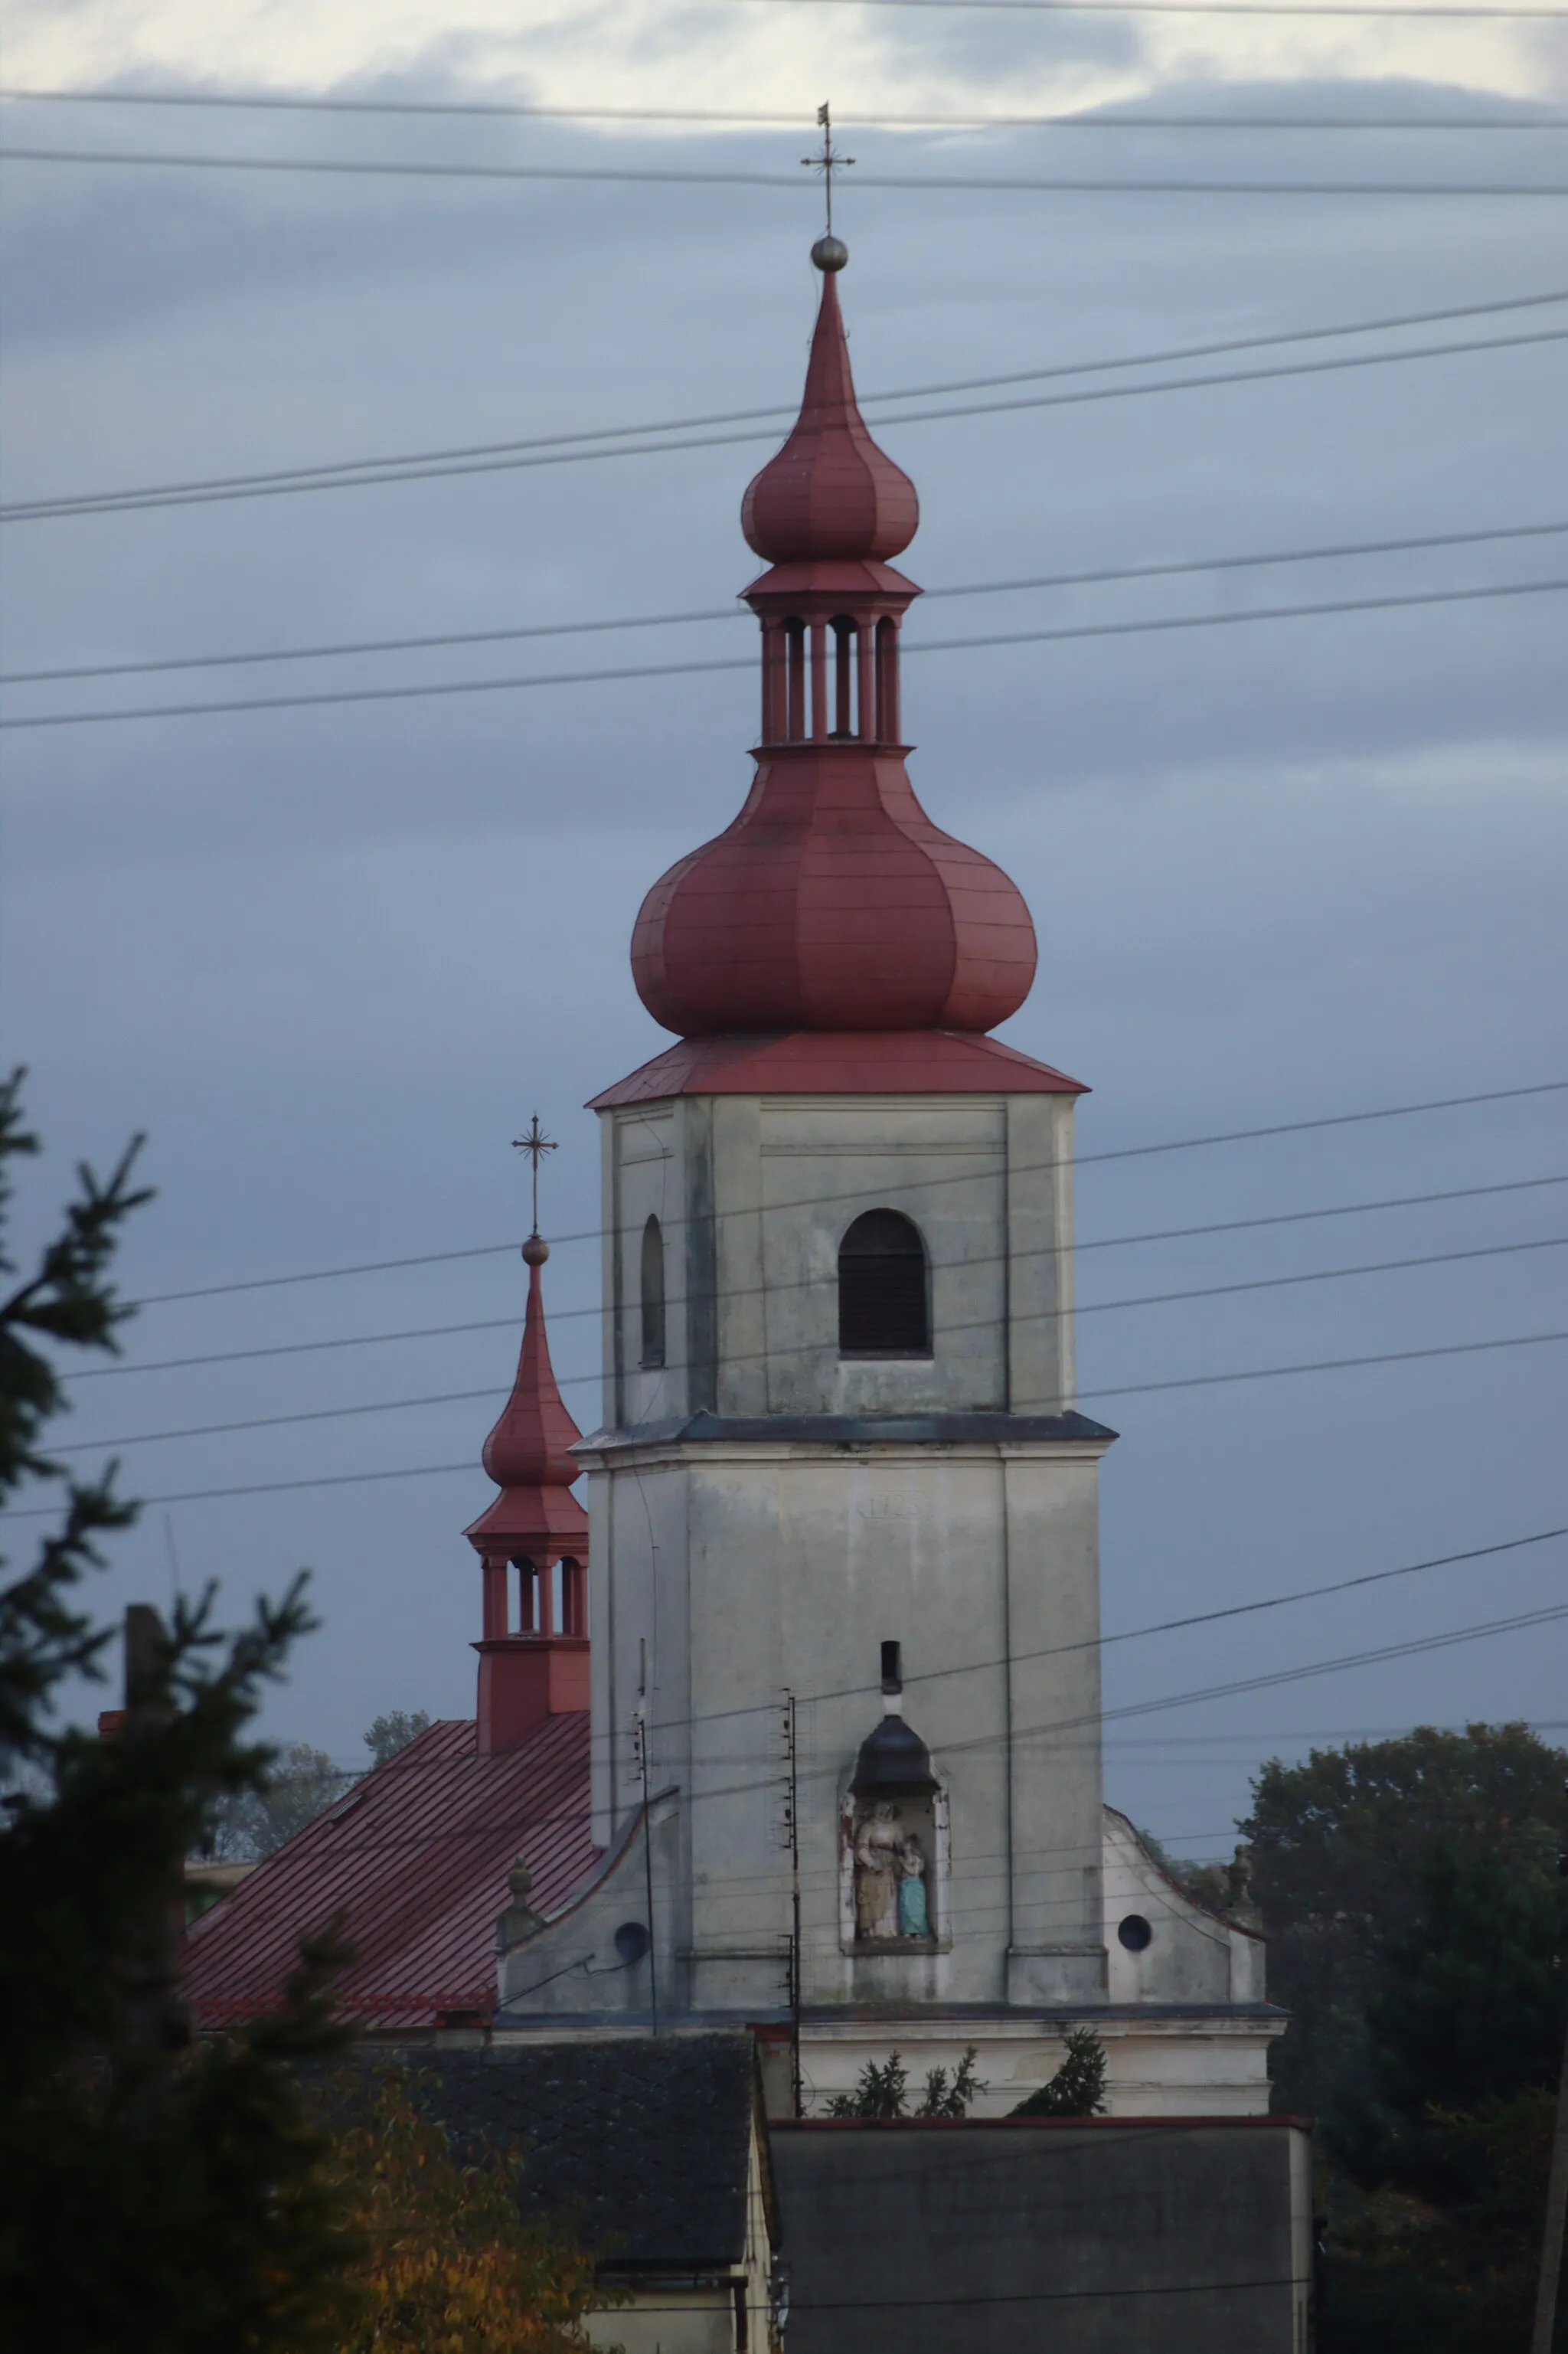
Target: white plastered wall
<point>754,1194</point>
<point>741,1570</point>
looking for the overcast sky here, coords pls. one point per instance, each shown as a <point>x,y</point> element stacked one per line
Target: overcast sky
<point>332,958</point>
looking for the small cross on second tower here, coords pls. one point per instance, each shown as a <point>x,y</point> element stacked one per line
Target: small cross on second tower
<point>535,1144</point>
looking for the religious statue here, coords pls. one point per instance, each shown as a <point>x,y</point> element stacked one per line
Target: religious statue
<point>877,1845</point>
<point>914,1919</point>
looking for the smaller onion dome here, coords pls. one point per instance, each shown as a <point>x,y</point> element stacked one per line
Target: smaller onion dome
<point>829,494</point>
<point>528,1453</point>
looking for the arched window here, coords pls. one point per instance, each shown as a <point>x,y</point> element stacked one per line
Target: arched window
<point>653,1294</point>
<point>884,1309</point>
<point>844,675</point>
<point>887,682</point>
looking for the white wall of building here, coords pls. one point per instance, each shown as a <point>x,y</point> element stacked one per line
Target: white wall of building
<point>754,1194</point>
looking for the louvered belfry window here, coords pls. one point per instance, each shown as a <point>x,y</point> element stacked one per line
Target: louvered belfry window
<point>883,1304</point>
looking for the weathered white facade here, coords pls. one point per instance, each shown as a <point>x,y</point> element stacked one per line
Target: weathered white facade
<point>765,1513</point>
<point>754,1194</point>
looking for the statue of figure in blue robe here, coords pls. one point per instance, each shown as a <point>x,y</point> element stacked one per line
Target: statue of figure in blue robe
<point>914,1920</point>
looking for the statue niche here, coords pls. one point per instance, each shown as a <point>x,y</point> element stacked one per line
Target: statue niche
<point>894,1835</point>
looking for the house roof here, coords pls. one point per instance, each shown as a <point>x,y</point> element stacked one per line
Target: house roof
<point>646,2140</point>
<point>415,1858</point>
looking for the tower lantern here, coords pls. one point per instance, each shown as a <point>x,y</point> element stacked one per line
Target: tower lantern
<point>533,1542</point>
<point>751,932</point>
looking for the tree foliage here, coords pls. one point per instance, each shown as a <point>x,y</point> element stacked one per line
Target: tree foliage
<point>446,2262</point>
<point>155,2197</point>
<point>1222,1888</point>
<point>1078,2087</point>
<point>298,1787</point>
<point>1406,2274</point>
<point>1341,1849</point>
<point>881,2091</point>
<point>1418,1933</point>
<point>1472,2015</point>
<point>394,1731</point>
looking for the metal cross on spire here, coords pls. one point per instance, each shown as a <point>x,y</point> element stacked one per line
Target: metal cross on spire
<point>535,1144</point>
<point>829,162</point>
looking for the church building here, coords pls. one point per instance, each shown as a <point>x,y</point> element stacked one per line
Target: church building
<point>813,1687</point>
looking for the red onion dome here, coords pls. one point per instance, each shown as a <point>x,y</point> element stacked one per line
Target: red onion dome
<point>832,903</point>
<point>830,493</point>
<point>529,1447</point>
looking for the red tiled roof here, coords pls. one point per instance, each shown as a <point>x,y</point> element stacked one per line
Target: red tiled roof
<point>417,1857</point>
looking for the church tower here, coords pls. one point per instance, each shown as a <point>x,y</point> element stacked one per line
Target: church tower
<point>844,1602</point>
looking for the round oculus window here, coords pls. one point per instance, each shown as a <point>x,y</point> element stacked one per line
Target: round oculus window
<point>1135,1933</point>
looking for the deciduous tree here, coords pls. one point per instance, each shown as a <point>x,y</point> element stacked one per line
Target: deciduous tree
<point>448,2264</point>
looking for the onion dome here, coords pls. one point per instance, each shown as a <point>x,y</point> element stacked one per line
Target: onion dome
<point>528,1452</point>
<point>830,493</point>
<point>831,903</point>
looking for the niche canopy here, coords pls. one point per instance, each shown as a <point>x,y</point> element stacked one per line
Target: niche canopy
<point>894,1762</point>
<point>831,903</point>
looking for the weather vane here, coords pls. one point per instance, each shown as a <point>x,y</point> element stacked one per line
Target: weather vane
<point>829,161</point>
<point>535,1144</point>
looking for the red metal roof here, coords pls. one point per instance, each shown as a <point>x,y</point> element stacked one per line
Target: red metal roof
<point>527,1453</point>
<point>830,493</point>
<point>838,1063</point>
<point>415,1856</point>
<point>831,902</point>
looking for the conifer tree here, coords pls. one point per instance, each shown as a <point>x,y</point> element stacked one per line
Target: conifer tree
<point>156,2196</point>
<point>1078,2087</point>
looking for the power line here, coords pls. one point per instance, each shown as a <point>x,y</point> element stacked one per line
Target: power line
<point>507,111</point>
<point>1077,1161</point>
<point>421,464</point>
<point>1013,2297</point>
<point>1103,1242</point>
<point>1138,1633</point>
<point>1102,575</point>
<point>1410,1646</point>
<point>1128,1389</point>
<point>1163,625</point>
<point>1091,1160</point>
<point>582,1381</point>
<point>640,176</point>
<point>1199,8</point>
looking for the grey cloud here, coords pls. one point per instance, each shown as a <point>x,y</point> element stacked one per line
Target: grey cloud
<point>329,958</point>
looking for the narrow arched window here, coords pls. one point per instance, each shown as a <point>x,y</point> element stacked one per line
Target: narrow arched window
<point>844,675</point>
<point>653,1294</point>
<point>887,682</point>
<point>794,679</point>
<point>883,1307</point>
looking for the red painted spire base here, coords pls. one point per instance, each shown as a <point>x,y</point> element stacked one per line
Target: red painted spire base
<point>523,1680</point>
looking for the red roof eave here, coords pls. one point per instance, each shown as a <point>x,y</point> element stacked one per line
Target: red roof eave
<point>839,1062</point>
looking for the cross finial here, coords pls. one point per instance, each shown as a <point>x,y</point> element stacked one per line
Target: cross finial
<point>535,1144</point>
<point>829,162</point>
